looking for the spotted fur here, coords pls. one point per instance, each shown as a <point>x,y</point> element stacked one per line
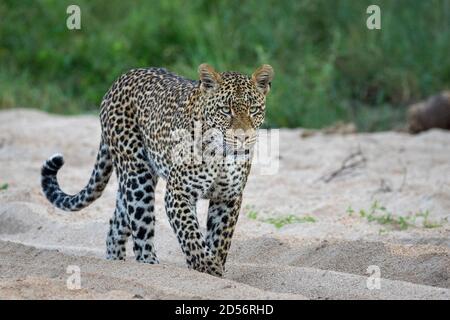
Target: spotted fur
<point>143,117</point>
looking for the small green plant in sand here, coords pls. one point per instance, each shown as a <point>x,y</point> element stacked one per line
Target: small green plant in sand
<point>289,219</point>
<point>426,222</point>
<point>252,215</point>
<point>4,186</point>
<point>379,214</point>
<point>281,221</point>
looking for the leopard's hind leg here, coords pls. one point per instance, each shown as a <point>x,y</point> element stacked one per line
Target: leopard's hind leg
<point>119,229</point>
<point>140,204</point>
<point>134,214</point>
<point>138,181</point>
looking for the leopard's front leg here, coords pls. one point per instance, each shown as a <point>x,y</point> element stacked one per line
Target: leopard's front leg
<point>222,218</point>
<point>180,204</point>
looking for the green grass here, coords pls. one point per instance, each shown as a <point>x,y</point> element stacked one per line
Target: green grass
<point>252,215</point>
<point>379,214</point>
<point>281,221</point>
<point>328,65</point>
<point>427,223</point>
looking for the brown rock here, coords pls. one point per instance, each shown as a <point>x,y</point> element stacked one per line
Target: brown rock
<point>432,113</point>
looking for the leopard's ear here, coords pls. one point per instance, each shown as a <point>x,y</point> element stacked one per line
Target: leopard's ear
<point>262,78</point>
<point>209,78</point>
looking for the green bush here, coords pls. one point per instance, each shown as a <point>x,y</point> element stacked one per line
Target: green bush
<point>328,65</point>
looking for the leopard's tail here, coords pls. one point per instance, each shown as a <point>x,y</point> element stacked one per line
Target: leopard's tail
<point>97,183</point>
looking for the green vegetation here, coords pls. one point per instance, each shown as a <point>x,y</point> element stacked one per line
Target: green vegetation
<point>378,213</point>
<point>4,186</point>
<point>280,222</point>
<point>427,223</point>
<point>252,215</point>
<point>289,219</point>
<point>328,65</point>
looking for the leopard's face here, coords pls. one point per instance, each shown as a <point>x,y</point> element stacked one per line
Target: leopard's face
<point>234,104</point>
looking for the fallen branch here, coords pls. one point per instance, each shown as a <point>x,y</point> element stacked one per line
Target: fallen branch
<point>351,162</point>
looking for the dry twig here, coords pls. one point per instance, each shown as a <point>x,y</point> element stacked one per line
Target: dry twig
<point>354,160</point>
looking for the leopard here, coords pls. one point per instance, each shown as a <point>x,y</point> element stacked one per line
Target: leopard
<point>197,135</point>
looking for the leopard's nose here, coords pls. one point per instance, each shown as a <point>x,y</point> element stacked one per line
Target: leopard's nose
<point>244,141</point>
<point>241,140</point>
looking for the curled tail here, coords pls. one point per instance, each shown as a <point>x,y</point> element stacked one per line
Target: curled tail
<point>97,183</point>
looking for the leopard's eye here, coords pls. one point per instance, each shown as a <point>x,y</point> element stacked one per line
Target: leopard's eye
<point>253,109</point>
<point>226,110</point>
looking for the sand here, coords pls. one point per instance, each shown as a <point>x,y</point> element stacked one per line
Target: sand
<point>324,259</point>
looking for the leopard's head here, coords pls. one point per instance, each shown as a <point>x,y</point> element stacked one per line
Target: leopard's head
<point>234,104</point>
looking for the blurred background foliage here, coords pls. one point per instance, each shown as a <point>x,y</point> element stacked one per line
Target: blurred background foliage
<point>329,66</point>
